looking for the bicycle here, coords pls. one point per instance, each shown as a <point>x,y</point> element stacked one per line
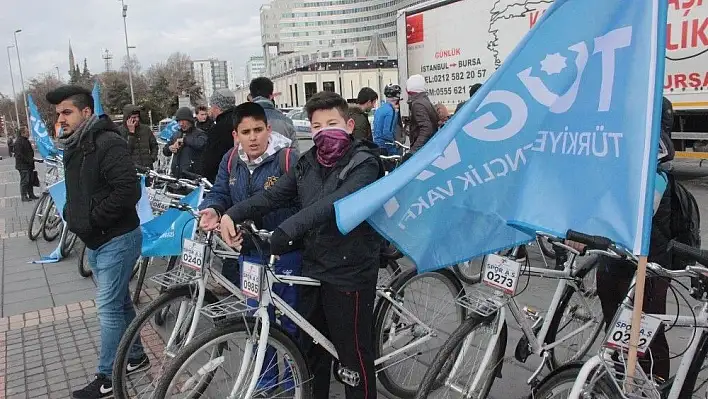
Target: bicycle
<point>41,211</point>
<point>483,335</point>
<point>261,335</point>
<point>603,375</point>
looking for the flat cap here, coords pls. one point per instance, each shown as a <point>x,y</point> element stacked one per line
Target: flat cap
<point>62,93</point>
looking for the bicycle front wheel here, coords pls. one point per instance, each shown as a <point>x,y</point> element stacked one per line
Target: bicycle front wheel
<point>36,223</point>
<point>209,366</point>
<point>470,271</point>
<point>83,263</point>
<point>559,384</point>
<point>68,240</point>
<point>459,362</point>
<point>429,297</point>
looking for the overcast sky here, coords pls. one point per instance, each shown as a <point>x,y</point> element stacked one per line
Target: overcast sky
<point>225,29</point>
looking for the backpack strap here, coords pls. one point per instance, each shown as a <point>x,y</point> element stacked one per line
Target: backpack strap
<point>284,159</point>
<point>357,159</point>
<point>231,157</point>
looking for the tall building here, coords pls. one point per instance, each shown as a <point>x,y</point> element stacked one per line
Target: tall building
<point>212,75</point>
<point>350,28</point>
<point>255,67</point>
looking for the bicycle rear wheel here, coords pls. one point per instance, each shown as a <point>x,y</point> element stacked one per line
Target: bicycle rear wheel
<point>458,362</point>
<point>52,224</point>
<point>558,385</point>
<point>209,365</point>
<point>68,240</point>
<point>36,222</point>
<point>430,297</point>
<point>83,263</point>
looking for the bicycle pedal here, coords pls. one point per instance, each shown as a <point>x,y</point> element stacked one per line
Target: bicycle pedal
<point>349,377</point>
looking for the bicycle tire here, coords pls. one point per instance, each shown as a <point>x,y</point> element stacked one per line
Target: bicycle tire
<point>36,217</point>
<point>557,318</point>
<point>381,310</point>
<point>444,360</point>
<point>48,213</point>
<point>689,385</point>
<point>462,270</point>
<point>140,268</point>
<point>84,267</point>
<point>276,334</point>
<point>144,316</point>
<point>67,242</point>
<point>558,384</point>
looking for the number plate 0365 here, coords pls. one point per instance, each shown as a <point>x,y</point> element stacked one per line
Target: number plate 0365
<point>618,337</point>
<point>251,279</point>
<point>193,254</point>
<point>501,273</point>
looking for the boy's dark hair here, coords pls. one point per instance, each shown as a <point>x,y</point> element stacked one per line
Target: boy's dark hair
<point>327,100</point>
<point>249,110</point>
<point>261,87</point>
<point>474,88</point>
<point>366,94</point>
<point>202,107</point>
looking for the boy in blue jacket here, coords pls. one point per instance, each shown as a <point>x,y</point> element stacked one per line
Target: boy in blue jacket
<point>258,159</point>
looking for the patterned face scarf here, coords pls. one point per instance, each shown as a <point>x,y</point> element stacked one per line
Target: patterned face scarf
<point>332,143</point>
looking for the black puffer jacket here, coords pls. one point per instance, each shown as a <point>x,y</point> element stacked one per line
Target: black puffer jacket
<point>189,157</point>
<point>349,262</point>
<point>24,154</point>
<point>424,120</point>
<point>142,144</point>
<point>220,140</point>
<point>102,188</point>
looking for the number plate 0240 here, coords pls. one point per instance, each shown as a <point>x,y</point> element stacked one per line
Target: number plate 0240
<point>193,254</point>
<point>501,273</point>
<point>251,279</point>
<point>618,337</point>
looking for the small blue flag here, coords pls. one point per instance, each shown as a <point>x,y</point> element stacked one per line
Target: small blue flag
<point>564,135</point>
<point>96,94</point>
<point>44,143</point>
<point>163,235</point>
<point>58,194</point>
<point>144,207</point>
<point>169,130</point>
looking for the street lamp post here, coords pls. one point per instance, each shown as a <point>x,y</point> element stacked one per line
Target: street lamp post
<point>12,79</point>
<point>127,51</point>
<point>22,78</point>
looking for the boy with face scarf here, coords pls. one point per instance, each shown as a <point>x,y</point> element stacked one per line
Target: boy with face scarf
<point>342,307</point>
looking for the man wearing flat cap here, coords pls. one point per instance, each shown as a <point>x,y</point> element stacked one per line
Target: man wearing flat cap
<point>102,191</point>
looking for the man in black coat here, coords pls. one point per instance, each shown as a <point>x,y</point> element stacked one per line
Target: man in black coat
<point>186,145</point>
<point>142,143</point>
<point>24,163</point>
<point>220,138</point>
<point>102,191</point>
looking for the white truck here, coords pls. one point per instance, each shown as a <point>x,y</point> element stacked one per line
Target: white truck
<point>457,43</point>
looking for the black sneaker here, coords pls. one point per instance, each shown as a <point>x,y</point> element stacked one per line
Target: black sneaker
<point>100,387</point>
<point>136,365</point>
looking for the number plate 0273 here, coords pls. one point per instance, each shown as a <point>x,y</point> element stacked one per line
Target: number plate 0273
<point>618,337</point>
<point>193,254</point>
<point>251,279</point>
<point>501,273</point>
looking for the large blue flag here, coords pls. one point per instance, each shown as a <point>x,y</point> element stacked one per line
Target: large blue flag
<point>96,94</point>
<point>169,130</point>
<point>163,235</point>
<point>44,143</point>
<point>564,135</point>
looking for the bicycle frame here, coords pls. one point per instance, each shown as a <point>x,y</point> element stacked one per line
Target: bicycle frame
<point>268,297</point>
<point>699,324</point>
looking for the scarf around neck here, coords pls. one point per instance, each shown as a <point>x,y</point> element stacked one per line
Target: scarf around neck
<point>74,138</point>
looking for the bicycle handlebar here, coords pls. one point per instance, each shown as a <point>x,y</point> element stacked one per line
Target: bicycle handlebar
<point>694,254</point>
<point>592,242</point>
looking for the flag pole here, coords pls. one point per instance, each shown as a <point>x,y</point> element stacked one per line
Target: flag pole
<point>636,318</point>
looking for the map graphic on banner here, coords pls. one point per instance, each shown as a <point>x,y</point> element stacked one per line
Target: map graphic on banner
<point>562,136</point>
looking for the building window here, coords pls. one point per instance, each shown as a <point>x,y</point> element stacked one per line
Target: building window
<point>310,90</point>
<point>328,86</point>
<point>349,53</point>
<point>336,54</point>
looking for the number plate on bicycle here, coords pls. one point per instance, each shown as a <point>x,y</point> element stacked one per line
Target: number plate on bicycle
<point>193,254</point>
<point>501,273</point>
<point>251,274</point>
<point>618,337</point>
<point>158,201</point>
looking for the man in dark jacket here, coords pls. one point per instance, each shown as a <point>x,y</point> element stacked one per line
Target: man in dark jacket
<point>142,144</point>
<point>186,145</point>
<point>204,121</point>
<point>220,138</point>
<point>102,191</point>
<point>424,119</point>
<point>359,112</point>
<point>347,266</point>
<point>24,163</point>
<point>261,91</point>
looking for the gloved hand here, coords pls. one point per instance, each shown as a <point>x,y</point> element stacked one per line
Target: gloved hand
<point>280,243</point>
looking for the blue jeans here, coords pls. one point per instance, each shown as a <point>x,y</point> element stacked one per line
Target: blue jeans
<point>112,264</point>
